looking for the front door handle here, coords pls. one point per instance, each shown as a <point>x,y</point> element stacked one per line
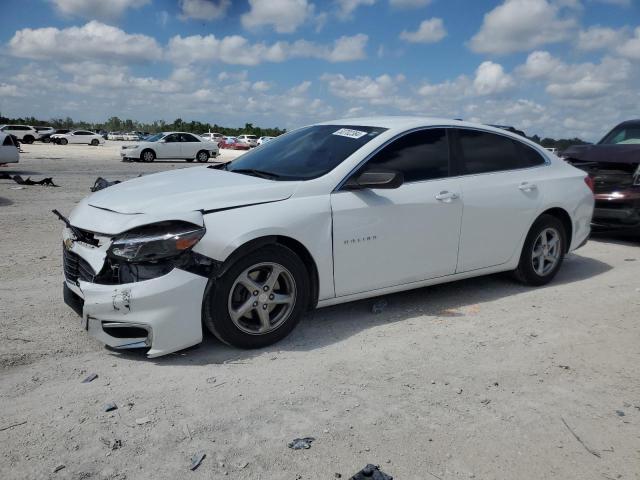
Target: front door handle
<point>527,187</point>
<point>446,196</point>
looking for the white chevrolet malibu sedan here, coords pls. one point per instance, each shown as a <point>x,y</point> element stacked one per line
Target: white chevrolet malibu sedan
<point>171,145</point>
<point>325,214</point>
<point>78,137</point>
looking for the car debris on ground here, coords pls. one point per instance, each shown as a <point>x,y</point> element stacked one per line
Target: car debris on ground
<point>46,182</point>
<point>108,407</point>
<point>301,443</point>
<point>102,183</point>
<point>196,460</point>
<point>371,472</point>
<point>90,378</point>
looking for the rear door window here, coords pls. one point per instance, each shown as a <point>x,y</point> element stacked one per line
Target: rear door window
<point>484,152</point>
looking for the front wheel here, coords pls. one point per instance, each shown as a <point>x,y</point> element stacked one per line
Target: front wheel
<point>28,139</point>
<point>63,141</point>
<point>148,156</point>
<point>202,156</point>
<point>543,251</point>
<point>46,140</point>
<point>259,300</point>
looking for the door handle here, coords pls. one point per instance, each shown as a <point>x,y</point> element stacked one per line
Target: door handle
<point>527,187</point>
<point>446,196</point>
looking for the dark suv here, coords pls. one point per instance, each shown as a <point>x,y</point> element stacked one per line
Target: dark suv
<point>614,165</point>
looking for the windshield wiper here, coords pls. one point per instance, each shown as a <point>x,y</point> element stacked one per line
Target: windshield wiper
<point>256,173</point>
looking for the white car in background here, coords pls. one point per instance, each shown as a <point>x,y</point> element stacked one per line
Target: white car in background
<point>322,215</point>
<point>9,152</point>
<point>213,137</point>
<point>250,140</point>
<point>262,140</point>
<point>24,133</point>
<point>130,137</point>
<point>171,145</point>
<point>78,137</point>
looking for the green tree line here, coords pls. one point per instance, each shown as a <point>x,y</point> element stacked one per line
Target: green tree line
<point>115,124</point>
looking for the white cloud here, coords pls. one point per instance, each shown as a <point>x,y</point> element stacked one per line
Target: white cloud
<point>631,47</point>
<point>8,90</point>
<point>92,41</point>
<point>204,9</point>
<point>96,9</point>
<point>599,38</point>
<point>539,64</point>
<point>363,87</point>
<point>520,25</point>
<point>491,79</point>
<point>409,3</point>
<point>237,50</point>
<point>429,31</point>
<point>261,86</point>
<point>285,16</point>
<point>347,7</point>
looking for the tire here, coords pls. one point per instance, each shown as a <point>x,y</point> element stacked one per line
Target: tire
<point>539,264</point>
<point>28,139</point>
<point>63,141</point>
<point>95,142</point>
<point>147,156</point>
<point>46,140</point>
<point>258,327</point>
<point>202,156</point>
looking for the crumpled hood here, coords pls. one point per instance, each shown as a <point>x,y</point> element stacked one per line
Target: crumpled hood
<point>604,153</point>
<point>189,189</point>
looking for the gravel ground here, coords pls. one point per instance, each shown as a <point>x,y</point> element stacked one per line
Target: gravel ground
<point>482,378</point>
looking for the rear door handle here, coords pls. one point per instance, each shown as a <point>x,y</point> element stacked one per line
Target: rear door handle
<point>446,196</point>
<point>527,187</point>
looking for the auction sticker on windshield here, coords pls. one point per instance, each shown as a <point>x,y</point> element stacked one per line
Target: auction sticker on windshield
<point>347,132</point>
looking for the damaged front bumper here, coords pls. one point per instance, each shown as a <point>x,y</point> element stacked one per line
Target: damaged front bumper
<point>162,313</point>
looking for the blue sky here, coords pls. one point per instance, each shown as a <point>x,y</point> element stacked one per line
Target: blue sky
<point>552,67</point>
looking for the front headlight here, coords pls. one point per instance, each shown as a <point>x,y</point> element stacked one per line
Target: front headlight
<point>155,242</point>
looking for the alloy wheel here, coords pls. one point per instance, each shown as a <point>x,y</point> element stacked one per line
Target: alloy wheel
<point>546,251</point>
<point>262,298</point>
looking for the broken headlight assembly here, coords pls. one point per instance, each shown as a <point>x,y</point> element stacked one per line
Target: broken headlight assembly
<point>159,241</point>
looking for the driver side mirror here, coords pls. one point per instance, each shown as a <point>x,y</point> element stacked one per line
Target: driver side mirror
<point>375,178</point>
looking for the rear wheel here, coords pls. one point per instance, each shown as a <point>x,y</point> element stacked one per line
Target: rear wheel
<point>202,156</point>
<point>543,251</point>
<point>148,156</point>
<point>95,142</point>
<point>28,139</point>
<point>63,141</point>
<point>259,300</point>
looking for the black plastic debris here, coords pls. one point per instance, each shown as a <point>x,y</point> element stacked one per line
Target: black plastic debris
<point>620,413</point>
<point>196,460</point>
<point>58,468</point>
<point>301,443</point>
<point>46,182</point>
<point>102,183</point>
<point>371,472</point>
<point>90,378</point>
<point>108,407</point>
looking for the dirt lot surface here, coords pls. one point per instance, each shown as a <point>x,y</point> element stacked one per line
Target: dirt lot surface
<point>482,378</point>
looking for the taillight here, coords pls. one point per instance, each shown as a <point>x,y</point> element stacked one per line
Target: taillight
<point>589,181</point>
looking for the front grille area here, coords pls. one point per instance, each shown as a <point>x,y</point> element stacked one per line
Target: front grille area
<point>76,268</point>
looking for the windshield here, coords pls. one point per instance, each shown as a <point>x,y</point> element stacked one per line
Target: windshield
<point>306,153</point>
<point>622,136</point>
<point>154,138</point>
